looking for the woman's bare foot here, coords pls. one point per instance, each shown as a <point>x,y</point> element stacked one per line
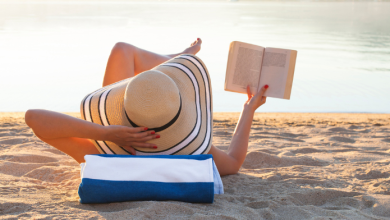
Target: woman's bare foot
<point>193,49</point>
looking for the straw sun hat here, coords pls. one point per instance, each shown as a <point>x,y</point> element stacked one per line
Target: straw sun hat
<point>173,99</point>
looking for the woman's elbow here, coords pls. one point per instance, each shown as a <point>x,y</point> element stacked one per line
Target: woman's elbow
<point>234,170</point>
<point>230,170</point>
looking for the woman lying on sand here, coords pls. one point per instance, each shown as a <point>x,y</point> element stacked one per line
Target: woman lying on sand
<point>77,137</point>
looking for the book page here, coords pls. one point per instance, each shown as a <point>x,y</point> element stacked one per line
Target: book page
<point>275,71</point>
<point>244,66</point>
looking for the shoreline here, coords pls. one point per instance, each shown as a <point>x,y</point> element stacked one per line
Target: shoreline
<point>21,113</point>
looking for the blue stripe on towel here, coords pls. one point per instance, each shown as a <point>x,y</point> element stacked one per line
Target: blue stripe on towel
<point>105,191</point>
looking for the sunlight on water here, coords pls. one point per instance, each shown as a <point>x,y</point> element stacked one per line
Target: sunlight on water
<point>52,53</point>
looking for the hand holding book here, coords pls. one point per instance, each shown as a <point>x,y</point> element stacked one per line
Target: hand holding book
<point>257,100</point>
<point>257,66</point>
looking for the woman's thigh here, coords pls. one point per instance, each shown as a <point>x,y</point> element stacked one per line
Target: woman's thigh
<point>77,148</point>
<point>127,61</point>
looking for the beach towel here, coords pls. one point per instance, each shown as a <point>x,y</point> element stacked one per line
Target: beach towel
<point>118,178</point>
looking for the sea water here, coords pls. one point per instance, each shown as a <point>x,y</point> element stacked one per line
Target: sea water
<point>52,53</point>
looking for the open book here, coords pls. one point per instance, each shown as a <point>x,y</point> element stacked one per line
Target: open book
<point>257,66</point>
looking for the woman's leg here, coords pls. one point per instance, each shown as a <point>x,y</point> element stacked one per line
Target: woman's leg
<point>76,148</point>
<point>127,61</point>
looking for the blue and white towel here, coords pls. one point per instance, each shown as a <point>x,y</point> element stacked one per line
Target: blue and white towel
<point>117,178</point>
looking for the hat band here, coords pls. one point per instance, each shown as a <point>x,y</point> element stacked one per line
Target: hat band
<point>158,129</point>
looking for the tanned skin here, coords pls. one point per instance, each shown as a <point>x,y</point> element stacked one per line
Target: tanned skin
<point>72,135</point>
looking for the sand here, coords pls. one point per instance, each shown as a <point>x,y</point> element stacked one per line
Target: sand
<point>299,166</point>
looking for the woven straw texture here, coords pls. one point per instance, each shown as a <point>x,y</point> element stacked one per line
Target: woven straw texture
<point>186,77</point>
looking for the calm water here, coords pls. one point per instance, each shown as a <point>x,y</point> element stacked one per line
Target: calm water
<point>52,53</point>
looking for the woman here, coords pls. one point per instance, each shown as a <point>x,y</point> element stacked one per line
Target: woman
<point>73,136</point>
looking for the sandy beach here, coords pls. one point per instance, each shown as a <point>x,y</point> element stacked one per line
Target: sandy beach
<point>299,166</point>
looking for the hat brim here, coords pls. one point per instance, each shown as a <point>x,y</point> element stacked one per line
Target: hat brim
<point>190,134</point>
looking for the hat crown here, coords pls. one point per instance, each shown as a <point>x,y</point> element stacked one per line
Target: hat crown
<point>152,99</point>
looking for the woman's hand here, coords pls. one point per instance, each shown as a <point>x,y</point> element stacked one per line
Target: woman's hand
<point>257,100</point>
<point>128,137</point>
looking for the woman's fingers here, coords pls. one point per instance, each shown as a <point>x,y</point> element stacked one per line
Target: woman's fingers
<point>142,134</point>
<point>263,100</point>
<point>248,91</point>
<point>260,95</point>
<point>258,99</point>
<point>125,136</point>
<point>137,129</point>
<point>130,149</point>
<point>143,145</point>
<point>142,137</point>
<point>262,90</point>
<point>129,146</point>
<point>148,138</point>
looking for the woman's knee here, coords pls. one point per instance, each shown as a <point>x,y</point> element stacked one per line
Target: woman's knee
<point>123,48</point>
<point>30,116</point>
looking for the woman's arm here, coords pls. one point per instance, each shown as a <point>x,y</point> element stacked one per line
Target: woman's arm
<point>53,125</point>
<point>230,162</point>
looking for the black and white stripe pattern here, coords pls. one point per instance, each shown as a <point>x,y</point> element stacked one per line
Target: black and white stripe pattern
<point>86,108</point>
<point>209,125</point>
<point>195,131</point>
